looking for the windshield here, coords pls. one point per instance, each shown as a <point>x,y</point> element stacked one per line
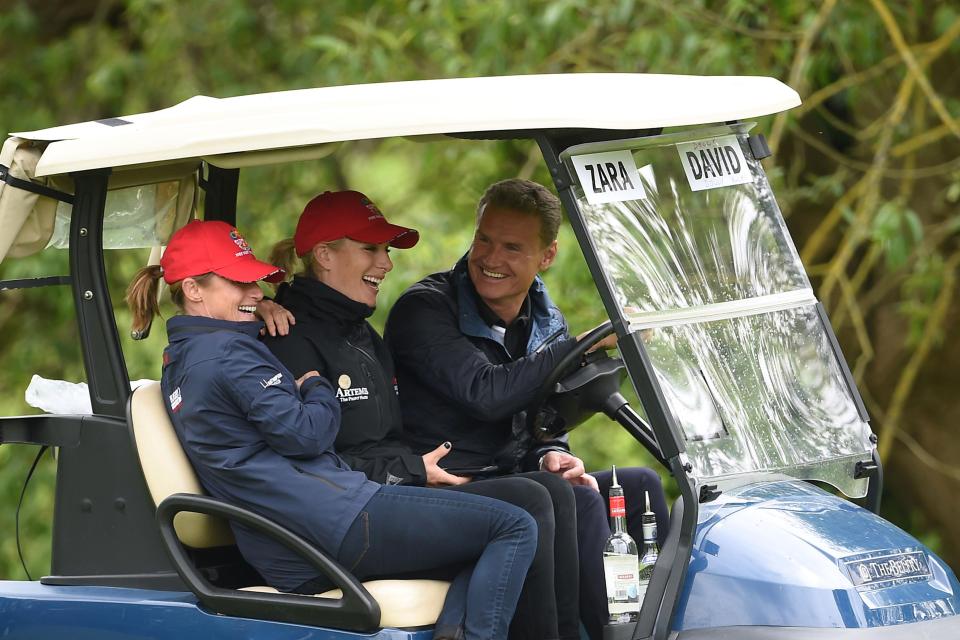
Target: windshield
<point>696,253</point>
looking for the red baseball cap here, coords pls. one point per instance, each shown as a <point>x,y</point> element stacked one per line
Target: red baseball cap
<point>213,246</point>
<point>347,214</point>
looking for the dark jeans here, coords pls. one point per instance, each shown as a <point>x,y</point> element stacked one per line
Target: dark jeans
<point>407,530</point>
<point>593,529</point>
<point>548,606</point>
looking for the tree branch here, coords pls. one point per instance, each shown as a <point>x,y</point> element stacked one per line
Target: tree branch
<point>799,63</point>
<point>926,457</point>
<point>927,52</point>
<point>913,66</point>
<point>891,425</point>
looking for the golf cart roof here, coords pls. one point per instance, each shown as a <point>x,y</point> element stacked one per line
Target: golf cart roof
<point>286,124</point>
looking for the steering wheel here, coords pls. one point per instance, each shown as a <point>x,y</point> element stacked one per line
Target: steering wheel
<point>584,384</point>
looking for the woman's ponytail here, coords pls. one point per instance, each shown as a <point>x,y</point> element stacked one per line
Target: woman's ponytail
<point>284,255</point>
<point>142,299</point>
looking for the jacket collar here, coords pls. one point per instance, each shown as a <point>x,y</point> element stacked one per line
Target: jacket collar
<point>183,327</point>
<point>548,323</point>
<point>314,298</point>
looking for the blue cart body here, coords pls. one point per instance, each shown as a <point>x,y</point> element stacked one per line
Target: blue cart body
<point>787,554</point>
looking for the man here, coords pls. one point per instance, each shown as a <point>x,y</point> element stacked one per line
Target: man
<point>473,346</point>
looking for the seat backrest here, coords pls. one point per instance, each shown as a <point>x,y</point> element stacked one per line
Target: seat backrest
<point>168,470</point>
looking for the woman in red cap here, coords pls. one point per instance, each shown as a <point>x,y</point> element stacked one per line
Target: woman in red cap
<point>260,437</point>
<point>343,242</point>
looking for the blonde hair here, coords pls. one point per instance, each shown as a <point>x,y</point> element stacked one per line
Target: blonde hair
<point>284,255</point>
<point>143,300</point>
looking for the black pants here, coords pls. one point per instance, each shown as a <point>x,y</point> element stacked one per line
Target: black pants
<point>593,529</point>
<point>548,606</point>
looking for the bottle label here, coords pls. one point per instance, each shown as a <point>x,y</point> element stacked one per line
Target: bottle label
<point>623,587</point>
<point>617,507</point>
<point>649,531</point>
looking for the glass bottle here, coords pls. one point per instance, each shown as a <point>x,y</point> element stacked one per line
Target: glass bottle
<point>651,550</point>
<point>620,562</point>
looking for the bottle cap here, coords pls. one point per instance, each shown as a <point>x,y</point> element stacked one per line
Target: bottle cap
<point>648,518</point>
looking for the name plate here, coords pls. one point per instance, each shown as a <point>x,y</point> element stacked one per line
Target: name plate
<point>888,569</point>
<point>610,176</point>
<point>714,163</point>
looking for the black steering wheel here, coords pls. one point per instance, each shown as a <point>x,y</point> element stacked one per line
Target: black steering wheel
<point>578,386</point>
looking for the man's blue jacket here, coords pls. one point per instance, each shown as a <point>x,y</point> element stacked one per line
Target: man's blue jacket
<point>458,382</point>
<point>257,440</point>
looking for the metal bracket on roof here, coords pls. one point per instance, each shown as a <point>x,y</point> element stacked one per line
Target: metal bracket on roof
<point>759,147</point>
<point>32,187</point>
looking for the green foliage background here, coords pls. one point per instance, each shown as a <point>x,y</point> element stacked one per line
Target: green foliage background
<point>865,172</point>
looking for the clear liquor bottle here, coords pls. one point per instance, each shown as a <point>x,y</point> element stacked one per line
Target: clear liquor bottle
<point>621,563</point>
<point>651,550</point>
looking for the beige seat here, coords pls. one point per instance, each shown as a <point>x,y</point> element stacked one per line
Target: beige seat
<point>403,603</point>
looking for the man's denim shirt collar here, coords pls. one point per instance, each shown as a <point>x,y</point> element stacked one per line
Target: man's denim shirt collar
<point>547,321</point>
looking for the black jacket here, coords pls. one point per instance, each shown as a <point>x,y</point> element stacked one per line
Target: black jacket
<point>332,336</point>
<point>458,382</point>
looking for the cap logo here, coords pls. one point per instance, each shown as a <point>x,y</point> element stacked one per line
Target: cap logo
<point>240,242</point>
<point>372,207</point>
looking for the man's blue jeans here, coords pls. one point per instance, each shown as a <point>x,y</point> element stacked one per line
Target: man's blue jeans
<point>406,530</point>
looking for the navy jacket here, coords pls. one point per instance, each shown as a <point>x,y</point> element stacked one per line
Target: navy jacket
<point>256,440</point>
<point>458,382</point>
<point>332,335</point>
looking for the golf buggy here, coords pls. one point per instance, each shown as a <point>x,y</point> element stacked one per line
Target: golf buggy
<point>748,401</point>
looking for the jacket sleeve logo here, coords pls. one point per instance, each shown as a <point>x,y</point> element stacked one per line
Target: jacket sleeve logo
<point>275,380</point>
<point>175,399</point>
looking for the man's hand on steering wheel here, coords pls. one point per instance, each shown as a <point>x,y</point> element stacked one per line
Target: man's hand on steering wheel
<point>609,342</point>
<point>569,467</point>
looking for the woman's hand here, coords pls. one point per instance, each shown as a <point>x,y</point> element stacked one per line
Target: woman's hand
<point>276,317</point>
<point>437,477</point>
<point>304,377</point>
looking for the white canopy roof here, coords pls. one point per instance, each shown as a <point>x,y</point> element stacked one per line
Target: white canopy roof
<point>202,126</point>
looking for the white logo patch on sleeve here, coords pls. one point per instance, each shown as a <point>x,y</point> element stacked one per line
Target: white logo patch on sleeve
<point>175,399</point>
<point>275,380</point>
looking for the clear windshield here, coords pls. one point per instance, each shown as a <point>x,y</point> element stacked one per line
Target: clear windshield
<point>696,252</point>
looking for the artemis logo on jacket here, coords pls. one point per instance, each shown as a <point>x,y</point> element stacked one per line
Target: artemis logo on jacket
<point>346,393</point>
<point>352,394</point>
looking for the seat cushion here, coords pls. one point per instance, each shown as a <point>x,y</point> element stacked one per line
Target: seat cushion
<point>167,469</point>
<point>403,603</point>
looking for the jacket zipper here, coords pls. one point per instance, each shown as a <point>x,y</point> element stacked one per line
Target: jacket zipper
<point>303,471</point>
<point>370,377</point>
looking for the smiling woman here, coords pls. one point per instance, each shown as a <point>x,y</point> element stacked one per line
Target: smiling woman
<point>262,438</point>
<point>211,272</point>
<point>344,240</point>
